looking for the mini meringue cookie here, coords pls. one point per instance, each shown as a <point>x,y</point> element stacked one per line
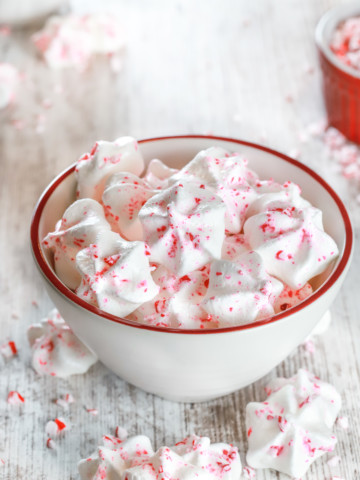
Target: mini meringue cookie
<point>112,459</point>
<point>178,304</point>
<point>134,459</point>
<point>292,243</point>
<point>240,291</point>
<point>158,174</point>
<point>106,158</point>
<point>273,195</point>
<point>70,41</point>
<point>289,297</point>
<point>56,350</point>
<point>123,197</point>
<point>230,178</point>
<point>78,228</point>
<point>293,427</point>
<point>184,226</point>
<point>116,273</point>
<point>234,246</point>
<point>9,79</point>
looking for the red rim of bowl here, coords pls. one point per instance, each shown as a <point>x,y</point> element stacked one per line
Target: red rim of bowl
<point>70,295</point>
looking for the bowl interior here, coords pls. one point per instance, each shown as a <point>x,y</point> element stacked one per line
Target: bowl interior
<point>178,151</point>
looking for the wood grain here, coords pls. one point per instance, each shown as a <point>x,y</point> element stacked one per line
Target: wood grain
<point>235,68</point>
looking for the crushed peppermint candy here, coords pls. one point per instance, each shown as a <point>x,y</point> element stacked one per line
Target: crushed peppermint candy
<point>50,444</point>
<point>56,427</point>
<point>92,411</point>
<point>14,398</point>
<point>249,472</point>
<point>345,153</point>
<point>8,349</point>
<point>65,401</point>
<point>345,43</point>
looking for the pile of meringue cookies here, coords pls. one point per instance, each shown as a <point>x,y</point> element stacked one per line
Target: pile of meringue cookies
<point>207,246</point>
<point>287,432</point>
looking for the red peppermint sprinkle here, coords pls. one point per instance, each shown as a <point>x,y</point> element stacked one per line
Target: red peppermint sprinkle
<point>60,424</point>
<point>92,411</point>
<point>14,398</point>
<point>8,349</point>
<point>276,450</point>
<point>50,443</point>
<point>94,148</point>
<point>65,401</point>
<point>249,472</point>
<point>55,427</point>
<point>278,254</point>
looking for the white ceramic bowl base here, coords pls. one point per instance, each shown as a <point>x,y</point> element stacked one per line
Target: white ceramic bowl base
<point>198,366</point>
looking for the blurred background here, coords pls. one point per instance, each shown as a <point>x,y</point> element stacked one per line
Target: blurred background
<point>236,68</point>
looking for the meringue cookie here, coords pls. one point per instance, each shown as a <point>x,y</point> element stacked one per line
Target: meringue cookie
<point>123,197</point>
<point>78,228</point>
<point>158,174</point>
<point>184,226</point>
<point>292,243</point>
<point>289,297</point>
<point>115,457</point>
<point>178,304</point>
<point>70,41</point>
<point>56,350</point>
<point>9,79</point>
<point>106,158</point>
<point>116,274</point>
<point>229,177</point>
<point>293,427</point>
<point>273,196</point>
<point>134,459</point>
<point>240,291</point>
<point>234,246</point>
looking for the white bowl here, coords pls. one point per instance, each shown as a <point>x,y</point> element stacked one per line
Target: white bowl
<point>197,365</point>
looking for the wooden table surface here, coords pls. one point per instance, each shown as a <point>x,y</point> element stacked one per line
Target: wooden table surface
<point>234,68</point>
